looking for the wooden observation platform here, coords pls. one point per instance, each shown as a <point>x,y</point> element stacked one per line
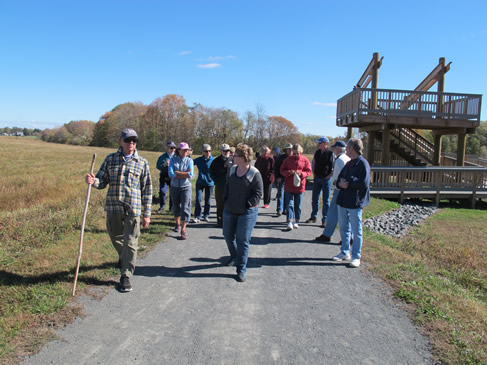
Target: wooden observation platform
<point>392,118</point>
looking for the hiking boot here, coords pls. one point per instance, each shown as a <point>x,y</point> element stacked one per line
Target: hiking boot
<point>323,238</point>
<point>311,220</point>
<point>342,257</point>
<point>240,277</point>
<point>289,226</point>
<point>355,263</point>
<point>278,214</point>
<point>183,235</point>
<point>125,286</point>
<point>176,228</point>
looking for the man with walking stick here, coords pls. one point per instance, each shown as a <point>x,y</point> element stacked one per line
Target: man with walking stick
<point>129,199</point>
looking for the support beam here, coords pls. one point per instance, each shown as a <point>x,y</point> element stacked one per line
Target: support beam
<point>370,147</point>
<point>349,133</point>
<point>437,153</point>
<point>462,142</point>
<point>386,147</point>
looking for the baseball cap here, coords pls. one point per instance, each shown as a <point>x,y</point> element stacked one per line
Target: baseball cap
<point>323,139</point>
<point>127,133</point>
<point>289,145</point>
<point>224,147</point>
<point>339,144</point>
<point>171,144</point>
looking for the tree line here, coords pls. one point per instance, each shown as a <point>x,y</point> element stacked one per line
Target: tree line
<point>170,118</point>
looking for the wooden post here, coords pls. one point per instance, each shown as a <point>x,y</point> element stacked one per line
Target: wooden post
<point>441,86</point>
<point>437,153</point>
<point>386,147</point>
<point>349,133</point>
<point>375,79</point>
<point>462,142</point>
<point>370,147</point>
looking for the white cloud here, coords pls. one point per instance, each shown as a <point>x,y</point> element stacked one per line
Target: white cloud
<point>324,104</point>
<point>209,65</point>
<point>215,58</point>
<point>184,53</point>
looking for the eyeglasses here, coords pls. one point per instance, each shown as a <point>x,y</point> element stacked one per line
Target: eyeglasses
<point>130,139</point>
<point>172,148</point>
<point>226,151</point>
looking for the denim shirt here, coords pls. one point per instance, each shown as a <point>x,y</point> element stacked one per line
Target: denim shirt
<point>184,165</point>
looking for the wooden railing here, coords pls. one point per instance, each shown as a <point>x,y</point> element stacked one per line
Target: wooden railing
<point>430,182</point>
<point>408,104</point>
<point>450,159</point>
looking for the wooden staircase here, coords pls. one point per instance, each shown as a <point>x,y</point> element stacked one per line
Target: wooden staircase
<point>411,146</point>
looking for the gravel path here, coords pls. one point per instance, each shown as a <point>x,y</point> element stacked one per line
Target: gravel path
<point>296,307</point>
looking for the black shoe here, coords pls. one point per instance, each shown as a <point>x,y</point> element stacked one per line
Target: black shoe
<point>278,214</point>
<point>311,220</point>
<point>323,238</point>
<point>119,264</point>
<point>240,277</point>
<point>323,225</point>
<point>125,286</point>
<point>230,262</point>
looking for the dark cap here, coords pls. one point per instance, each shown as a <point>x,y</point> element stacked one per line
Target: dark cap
<point>323,139</point>
<point>339,144</point>
<point>127,133</point>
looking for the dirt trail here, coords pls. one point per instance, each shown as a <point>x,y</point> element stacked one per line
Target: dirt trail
<point>296,307</point>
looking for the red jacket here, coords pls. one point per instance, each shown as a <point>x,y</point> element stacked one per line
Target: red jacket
<point>295,163</point>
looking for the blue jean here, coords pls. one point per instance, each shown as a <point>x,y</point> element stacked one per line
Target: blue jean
<point>293,206</point>
<point>332,216</point>
<point>320,185</point>
<point>237,230</point>
<point>350,221</point>
<point>280,195</point>
<point>199,195</point>
<point>163,187</point>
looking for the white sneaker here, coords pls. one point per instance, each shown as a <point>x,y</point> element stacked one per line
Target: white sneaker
<point>206,219</point>
<point>342,257</point>
<point>295,225</point>
<point>289,226</point>
<point>355,263</point>
<point>195,220</point>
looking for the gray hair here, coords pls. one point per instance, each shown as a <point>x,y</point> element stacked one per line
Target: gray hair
<point>264,149</point>
<point>356,144</point>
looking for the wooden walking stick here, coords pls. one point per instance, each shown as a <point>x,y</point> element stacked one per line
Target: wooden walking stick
<point>87,200</point>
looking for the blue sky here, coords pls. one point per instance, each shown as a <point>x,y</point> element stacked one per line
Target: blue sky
<point>74,60</point>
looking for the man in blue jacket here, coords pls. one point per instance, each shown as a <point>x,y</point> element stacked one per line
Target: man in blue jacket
<point>203,183</point>
<point>353,183</point>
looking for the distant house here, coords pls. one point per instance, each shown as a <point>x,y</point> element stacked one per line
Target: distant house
<point>19,134</point>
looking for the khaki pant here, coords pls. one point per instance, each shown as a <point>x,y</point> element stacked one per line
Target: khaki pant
<point>124,231</point>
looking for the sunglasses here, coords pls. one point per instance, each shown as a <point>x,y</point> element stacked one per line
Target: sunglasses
<point>172,148</point>
<point>131,139</point>
<point>208,151</point>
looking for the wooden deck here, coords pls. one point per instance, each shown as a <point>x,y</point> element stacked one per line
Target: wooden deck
<point>424,110</point>
<point>434,183</point>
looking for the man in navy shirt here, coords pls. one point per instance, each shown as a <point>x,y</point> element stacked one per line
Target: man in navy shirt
<point>353,183</point>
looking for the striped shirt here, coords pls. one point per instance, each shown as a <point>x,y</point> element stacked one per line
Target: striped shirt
<point>130,184</point>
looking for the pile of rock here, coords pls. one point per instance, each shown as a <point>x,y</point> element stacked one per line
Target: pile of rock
<point>396,222</point>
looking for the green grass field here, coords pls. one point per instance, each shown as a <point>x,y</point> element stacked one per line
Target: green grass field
<point>438,271</point>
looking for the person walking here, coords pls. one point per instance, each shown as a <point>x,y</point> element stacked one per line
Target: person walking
<point>322,170</point>
<point>219,169</point>
<point>243,191</point>
<point>204,183</point>
<point>129,198</point>
<point>265,165</point>
<point>353,183</point>
<point>296,168</point>
<point>341,159</point>
<point>164,179</point>
<point>279,179</point>
<point>181,171</point>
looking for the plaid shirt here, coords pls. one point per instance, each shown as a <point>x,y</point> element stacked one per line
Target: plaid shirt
<point>130,184</point>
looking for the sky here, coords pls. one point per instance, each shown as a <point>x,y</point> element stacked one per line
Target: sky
<point>75,60</point>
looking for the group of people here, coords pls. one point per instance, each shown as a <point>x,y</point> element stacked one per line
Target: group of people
<point>239,188</point>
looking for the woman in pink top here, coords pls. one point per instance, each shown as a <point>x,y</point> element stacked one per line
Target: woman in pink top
<point>299,165</point>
